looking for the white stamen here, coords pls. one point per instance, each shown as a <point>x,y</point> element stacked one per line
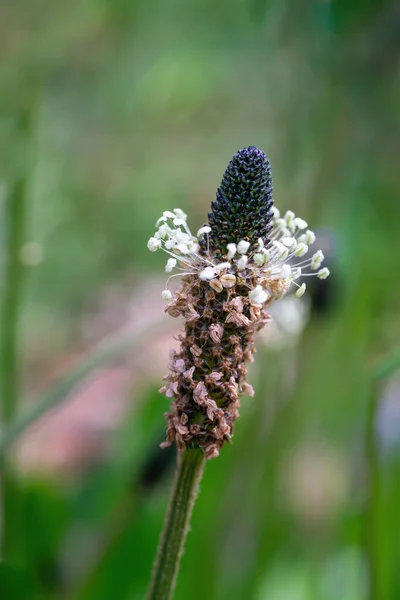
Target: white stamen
<point>259,259</point>
<point>308,237</point>
<point>222,266</point>
<point>243,246</point>
<point>300,291</point>
<point>260,244</point>
<point>171,263</point>
<point>275,212</point>
<point>286,272</point>
<point>180,214</point>
<point>316,260</point>
<point>232,248</point>
<point>258,295</point>
<point>203,230</point>
<point>166,295</point>
<point>300,223</point>
<point>301,249</point>
<point>323,273</point>
<point>207,274</point>
<point>289,242</point>
<point>242,262</point>
<point>153,244</point>
<point>178,222</point>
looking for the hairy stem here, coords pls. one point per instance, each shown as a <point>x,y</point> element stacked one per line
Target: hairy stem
<point>176,525</point>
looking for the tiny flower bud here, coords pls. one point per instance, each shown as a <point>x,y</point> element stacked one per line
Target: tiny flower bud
<point>301,249</point>
<point>171,263</point>
<point>301,290</point>
<point>242,262</point>
<point>323,273</point>
<point>166,295</point>
<point>243,246</point>
<point>153,244</point>
<point>216,285</point>
<point>228,280</point>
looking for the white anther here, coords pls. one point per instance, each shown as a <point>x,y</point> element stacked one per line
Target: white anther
<point>300,223</point>
<point>275,212</point>
<point>323,273</point>
<point>153,244</point>
<point>222,266</point>
<point>301,290</point>
<point>286,272</point>
<point>242,262</point>
<point>166,295</point>
<point>259,259</point>
<point>180,214</point>
<point>258,295</point>
<point>243,246</point>
<point>207,274</point>
<point>289,242</point>
<point>316,260</point>
<point>168,214</point>
<point>289,216</point>
<point>203,230</point>
<point>281,249</point>
<point>301,249</point>
<point>171,263</point>
<point>232,249</point>
<point>183,249</point>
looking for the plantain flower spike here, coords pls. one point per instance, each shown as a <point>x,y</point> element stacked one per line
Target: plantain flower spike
<point>246,257</point>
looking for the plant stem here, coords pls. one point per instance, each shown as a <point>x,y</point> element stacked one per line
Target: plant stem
<point>176,525</point>
<point>14,229</point>
<point>373,499</point>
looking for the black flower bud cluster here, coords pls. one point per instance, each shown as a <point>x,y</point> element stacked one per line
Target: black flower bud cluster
<point>242,209</point>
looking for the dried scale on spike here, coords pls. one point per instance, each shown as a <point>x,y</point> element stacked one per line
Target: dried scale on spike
<point>243,259</point>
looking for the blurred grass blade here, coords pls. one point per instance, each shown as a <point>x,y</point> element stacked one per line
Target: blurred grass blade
<point>63,388</point>
<point>388,366</point>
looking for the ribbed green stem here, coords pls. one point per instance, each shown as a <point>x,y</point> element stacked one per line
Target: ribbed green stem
<point>14,232</point>
<point>176,526</point>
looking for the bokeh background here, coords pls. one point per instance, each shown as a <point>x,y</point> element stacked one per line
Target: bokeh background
<point>112,112</point>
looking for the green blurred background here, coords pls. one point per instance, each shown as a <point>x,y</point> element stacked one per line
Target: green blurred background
<point>110,113</point>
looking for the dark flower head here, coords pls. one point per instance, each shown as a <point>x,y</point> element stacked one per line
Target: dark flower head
<point>242,209</point>
<point>246,257</point>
